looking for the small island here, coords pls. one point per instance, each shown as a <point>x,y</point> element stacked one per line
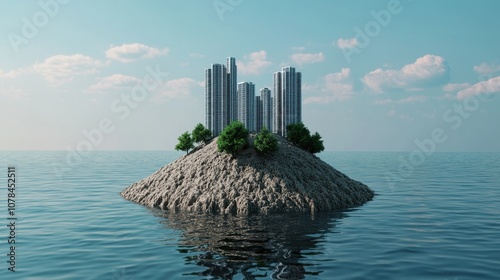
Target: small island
<point>232,174</point>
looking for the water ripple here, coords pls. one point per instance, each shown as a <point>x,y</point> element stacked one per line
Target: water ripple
<point>442,222</point>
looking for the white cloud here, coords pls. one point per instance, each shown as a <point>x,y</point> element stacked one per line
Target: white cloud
<point>486,69</point>
<point>485,87</point>
<point>391,113</point>
<point>426,71</point>
<point>455,87</point>
<point>132,52</point>
<point>347,43</point>
<point>13,93</point>
<point>114,81</point>
<point>178,88</point>
<point>63,68</point>
<point>299,49</point>
<point>336,87</point>
<point>14,73</point>
<point>409,99</point>
<point>304,58</point>
<point>253,63</point>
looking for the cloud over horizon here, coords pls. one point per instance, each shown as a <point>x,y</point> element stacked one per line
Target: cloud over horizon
<point>486,68</point>
<point>334,87</point>
<point>178,88</point>
<point>347,43</point>
<point>253,63</point>
<point>132,52</point>
<point>485,87</point>
<point>426,71</point>
<point>305,58</point>
<point>59,69</point>
<point>114,81</point>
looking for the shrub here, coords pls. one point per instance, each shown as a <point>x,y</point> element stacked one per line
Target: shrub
<point>201,134</point>
<point>316,144</point>
<point>186,143</point>
<point>233,138</point>
<point>265,142</point>
<point>299,135</point>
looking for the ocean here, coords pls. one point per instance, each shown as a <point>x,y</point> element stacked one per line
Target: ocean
<point>439,219</point>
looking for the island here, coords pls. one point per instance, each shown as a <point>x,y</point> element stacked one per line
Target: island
<point>272,170</point>
<point>286,179</point>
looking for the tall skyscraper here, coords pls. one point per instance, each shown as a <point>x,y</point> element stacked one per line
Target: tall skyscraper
<point>232,82</point>
<point>221,97</point>
<point>217,102</point>
<point>287,99</point>
<point>246,105</point>
<point>267,109</point>
<point>258,113</point>
<point>277,104</point>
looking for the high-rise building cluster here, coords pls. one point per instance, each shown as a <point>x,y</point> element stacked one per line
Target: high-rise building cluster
<point>226,100</point>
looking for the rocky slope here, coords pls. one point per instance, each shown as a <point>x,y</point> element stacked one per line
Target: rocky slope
<point>290,180</point>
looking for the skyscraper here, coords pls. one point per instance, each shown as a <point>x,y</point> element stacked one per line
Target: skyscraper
<point>221,103</point>
<point>267,109</point>
<point>246,105</point>
<point>258,113</point>
<point>277,104</point>
<point>217,102</point>
<point>287,99</point>
<point>232,82</point>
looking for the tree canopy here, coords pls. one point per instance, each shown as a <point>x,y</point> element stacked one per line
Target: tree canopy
<point>186,143</point>
<point>265,142</point>
<point>299,135</point>
<point>201,134</point>
<point>233,138</point>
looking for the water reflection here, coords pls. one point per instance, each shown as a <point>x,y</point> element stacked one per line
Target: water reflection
<point>275,246</point>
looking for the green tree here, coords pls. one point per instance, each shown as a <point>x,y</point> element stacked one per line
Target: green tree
<point>233,138</point>
<point>201,134</point>
<point>299,135</point>
<point>265,142</point>
<point>316,144</point>
<point>186,143</point>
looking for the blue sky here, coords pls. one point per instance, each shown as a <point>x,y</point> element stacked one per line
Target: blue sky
<point>128,75</point>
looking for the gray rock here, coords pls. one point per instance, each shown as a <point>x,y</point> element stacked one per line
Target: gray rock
<point>289,180</point>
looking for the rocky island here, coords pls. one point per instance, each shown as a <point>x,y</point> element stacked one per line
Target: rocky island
<point>290,180</point>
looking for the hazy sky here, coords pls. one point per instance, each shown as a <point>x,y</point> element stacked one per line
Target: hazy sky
<point>377,75</point>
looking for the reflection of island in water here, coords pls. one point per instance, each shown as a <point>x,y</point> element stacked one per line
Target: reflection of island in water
<point>276,246</point>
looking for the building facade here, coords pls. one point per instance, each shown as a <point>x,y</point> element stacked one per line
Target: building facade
<point>221,95</point>
<point>227,101</point>
<point>232,83</point>
<point>258,113</point>
<point>287,105</point>
<point>216,99</point>
<point>246,105</point>
<point>267,109</point>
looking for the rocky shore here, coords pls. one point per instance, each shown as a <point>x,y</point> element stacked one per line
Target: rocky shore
<point>289,180</point>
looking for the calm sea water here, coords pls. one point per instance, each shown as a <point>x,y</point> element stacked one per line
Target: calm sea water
<point>441,222</point>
